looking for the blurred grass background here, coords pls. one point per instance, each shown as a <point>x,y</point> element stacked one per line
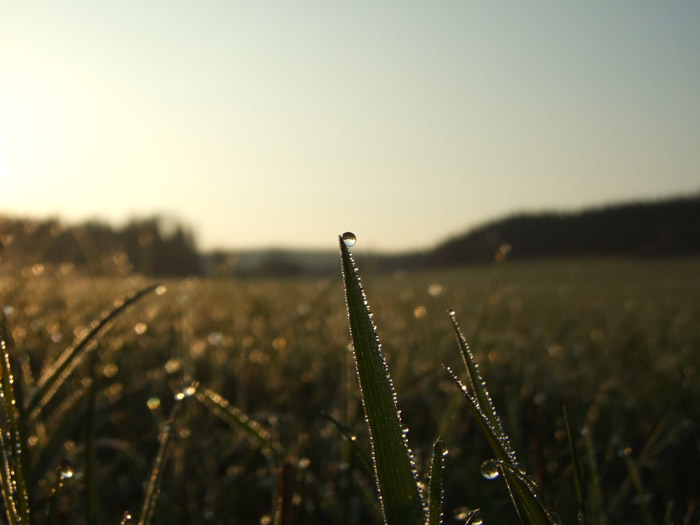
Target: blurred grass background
<point>614,339</point>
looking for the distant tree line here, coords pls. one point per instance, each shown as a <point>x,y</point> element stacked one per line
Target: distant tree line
<point>664,228</point>
<point>150,246</point>
<point>155,247</point>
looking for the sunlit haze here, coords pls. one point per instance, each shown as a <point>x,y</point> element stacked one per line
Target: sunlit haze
<point>264,124</point>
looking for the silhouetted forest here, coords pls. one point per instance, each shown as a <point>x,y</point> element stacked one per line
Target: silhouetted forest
<point>149,246</point>
<point>653,229</point>
<point>155,247</point>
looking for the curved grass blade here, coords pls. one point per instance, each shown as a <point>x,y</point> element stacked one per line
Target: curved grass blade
<point>528,503</point>
<point>636,478</point>
<point>350,438</point>
<point>578,480</point>
<point>91,480</point>
<point>437,466</point>
<point>65,364</point>
<point>156,478</point>
<point>401,499</point>
<point>13,477</point>
<point>238,419</point>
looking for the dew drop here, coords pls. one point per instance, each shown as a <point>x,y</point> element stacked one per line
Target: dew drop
<point>489,469</point>
<point>349,239</point>
<point>461,513</point>
<point>67,472</point>
<point>451,313</point>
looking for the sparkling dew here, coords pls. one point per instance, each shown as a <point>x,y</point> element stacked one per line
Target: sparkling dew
<point>349,239</point>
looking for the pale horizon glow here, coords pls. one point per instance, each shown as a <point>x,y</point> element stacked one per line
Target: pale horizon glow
<point>261,124</point>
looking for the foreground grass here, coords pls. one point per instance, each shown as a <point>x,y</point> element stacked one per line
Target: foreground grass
<point>615,340</point>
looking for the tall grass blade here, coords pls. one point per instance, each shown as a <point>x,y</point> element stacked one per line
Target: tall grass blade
<point>350,438</point>
<point>401,499</point>
<point>91,480</point>
<point>636,480</point>
<point>13,475</point>
<point>528,503</point>
<point>594,493</point>
<point>435,490</point>
<point>578,479</point>
<point>285,492</point>
<point>238,419</point>
<point>156,478</point>
<point>59,372</point>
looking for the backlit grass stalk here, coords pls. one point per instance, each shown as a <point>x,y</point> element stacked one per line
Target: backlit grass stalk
<point>435,490</point>
<point>395,476</point>
<point>528,503</point>
<point>220,407</point>
<point>156,477</point>
<point>13,477</point>
<point>65,364</point>
<point>578,479</point>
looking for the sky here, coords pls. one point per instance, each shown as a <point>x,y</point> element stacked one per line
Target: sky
<point>283,124</point>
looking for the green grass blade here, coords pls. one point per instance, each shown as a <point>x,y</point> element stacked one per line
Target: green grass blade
<point>401,500</point>
<point>594,493</point>
<point>530,506</point>
<point>156,478</point>
<point>238,419</point>
<point>578,480</point>
<point>435,490</point>
<point>91,479</point>
<point>13,476</point>
<point>478,391</point>
<point>350,438</point>
<point>636,480</point>
<point>65,364</point>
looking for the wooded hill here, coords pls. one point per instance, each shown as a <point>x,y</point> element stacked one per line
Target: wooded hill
<point>643,229</point>
<point>152,247</point>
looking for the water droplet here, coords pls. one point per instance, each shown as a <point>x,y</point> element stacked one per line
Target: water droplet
<point>451,313</point>
<point>520,468</point>
<point>67,472</point>
<point>461,513</point>
<point>349,239</point>
<point>489,469</point>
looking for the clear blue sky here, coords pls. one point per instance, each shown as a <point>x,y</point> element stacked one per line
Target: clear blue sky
<point>284,124</point>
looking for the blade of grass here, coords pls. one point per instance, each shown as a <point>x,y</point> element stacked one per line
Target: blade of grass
<point>394,470</point>
<point>156,477</point>
<point>578,480</point>
<point>528,503</point>
<point>65,364</point>
<point>350,438</point>
<point>285,492</point>
<point>91,480</point>
<point>238,419</point>
<point>437,465</point>
<point>636,479</point>
<point>13,472</point>
<point>594,493</point>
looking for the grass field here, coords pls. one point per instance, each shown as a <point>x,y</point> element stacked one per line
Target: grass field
<point>617,341</point>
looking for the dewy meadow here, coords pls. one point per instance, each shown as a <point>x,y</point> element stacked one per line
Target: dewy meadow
<point>545,391</point>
